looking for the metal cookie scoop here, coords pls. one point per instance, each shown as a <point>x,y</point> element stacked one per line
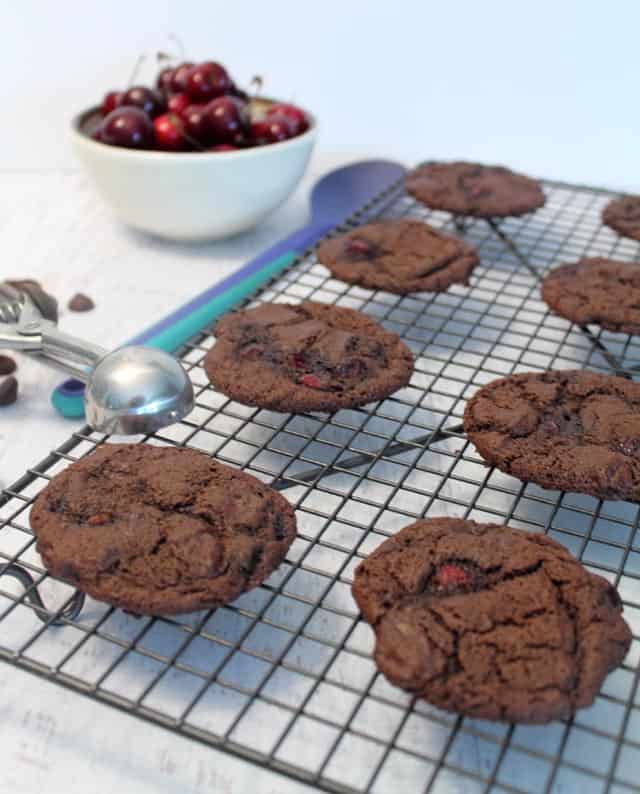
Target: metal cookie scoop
<point>128,391</point>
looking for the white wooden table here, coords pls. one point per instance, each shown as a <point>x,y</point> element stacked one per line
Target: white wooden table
<point>54,228</point>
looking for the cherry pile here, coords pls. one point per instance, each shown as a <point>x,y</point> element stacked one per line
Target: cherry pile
<point>194,107</point>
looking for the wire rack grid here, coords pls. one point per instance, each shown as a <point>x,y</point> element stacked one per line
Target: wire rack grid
<point>284,677</point>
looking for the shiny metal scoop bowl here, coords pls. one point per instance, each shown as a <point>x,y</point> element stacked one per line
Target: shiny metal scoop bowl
<point>132,390</point>
<point>137,390</point>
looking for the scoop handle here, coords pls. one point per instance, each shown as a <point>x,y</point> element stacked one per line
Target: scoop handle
<point>74,355</point>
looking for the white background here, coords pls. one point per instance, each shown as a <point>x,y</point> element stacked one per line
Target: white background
<point>549,86</point>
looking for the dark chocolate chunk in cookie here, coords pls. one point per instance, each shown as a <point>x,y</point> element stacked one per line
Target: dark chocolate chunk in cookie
<point>566,430</point>
<point>483,191</point>
<point>596,290</point>
<point>160,530</point>
<point>401,256</point>
<point>489,621</point>
<point>623,216</point>
<point>306,357</point>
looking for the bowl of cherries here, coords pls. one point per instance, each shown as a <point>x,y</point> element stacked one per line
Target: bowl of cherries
<point>194,157</point>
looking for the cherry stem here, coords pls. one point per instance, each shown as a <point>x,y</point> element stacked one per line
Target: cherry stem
<point>256,85</point>
<point>136,69</point>
<point>180,129</point>
<point>163,57</point>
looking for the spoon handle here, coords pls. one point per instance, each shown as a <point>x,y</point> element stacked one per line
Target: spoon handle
<point>75,355</point>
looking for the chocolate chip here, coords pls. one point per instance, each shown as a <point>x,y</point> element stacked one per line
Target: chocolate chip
<point>563,421</point>
<point>8,390</point>
<point>46,304</point>
<point>355,368</point>
<point>69,572</point>
<point>80,303</point>
<point>250,564</point>
<point>7,365</point>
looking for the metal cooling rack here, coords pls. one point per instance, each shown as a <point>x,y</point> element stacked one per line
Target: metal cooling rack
<point>284,676</point>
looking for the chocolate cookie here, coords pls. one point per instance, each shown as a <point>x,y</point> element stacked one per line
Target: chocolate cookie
<point>596,290</point>
<point>160,530</point>
<point>307,357</point>
<point>623,216</point>
<point>489,621</point>
<point>566,430</point>
<point>484,191</point>
<point>399,256</point>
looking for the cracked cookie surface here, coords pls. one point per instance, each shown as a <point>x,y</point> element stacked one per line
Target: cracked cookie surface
<point>565,430</point>
<point>596,290</point>
<point>623,216</point>
<point>160,530</point>
<point>306,357</point>
<point>488,621</point>
<point>482,191</point>
<point>402,256</point>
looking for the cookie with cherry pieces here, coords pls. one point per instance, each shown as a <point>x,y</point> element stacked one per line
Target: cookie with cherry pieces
<point>568,430</point>
<point>482,191</point>
<point>596,290</point>
<point>488,621</point>
<point>160,530</point>
<point>401,256</point>
<point>623,216</point>
<point>306,357</point>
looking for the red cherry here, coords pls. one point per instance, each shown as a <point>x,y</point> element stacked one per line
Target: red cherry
<point>164,80</point>
<point>271,129</point>
<point>178,103</point>
<point>127,126</point>
<point>195,123</point>
<point>207,81</point>
<point>259,131</point>
<point>179,79</point>
<point>452,575</point>
<point>223,147</point>
<point>169,131</point>
<point>297,118</point>
<point>228,119</point>
<point>312,381</point>
<point>144,98</point>
<point>111,101</point>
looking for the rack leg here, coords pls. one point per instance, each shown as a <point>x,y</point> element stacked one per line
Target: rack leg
<point>22,575</point>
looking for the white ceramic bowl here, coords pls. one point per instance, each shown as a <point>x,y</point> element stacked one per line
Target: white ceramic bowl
<point>193,195</point>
